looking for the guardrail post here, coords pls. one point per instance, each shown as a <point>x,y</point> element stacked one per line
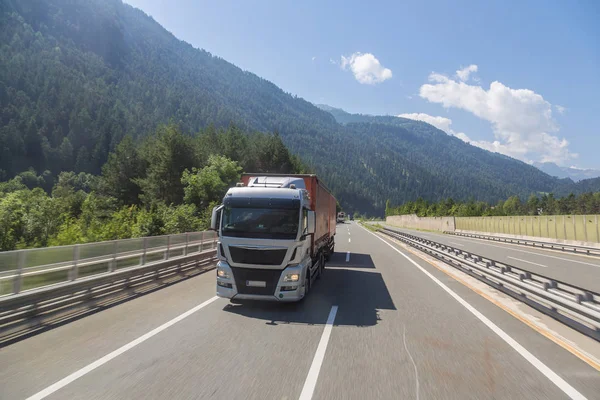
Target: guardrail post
<point>583,297</point>
<point>22,255</point>
<point>168,247</point>
<point>525,275</point>
<point>187,240</point>
<point>113,264</point>
<point>74,270</point>
<point>143,258</point>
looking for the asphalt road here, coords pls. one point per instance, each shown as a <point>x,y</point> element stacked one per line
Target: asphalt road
<point>578,270</point>
<point>403,329</point>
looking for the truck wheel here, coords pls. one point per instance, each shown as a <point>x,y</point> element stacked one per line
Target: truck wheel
<point>330,252</point>
<point>321,265</point>
<point>307,284</point>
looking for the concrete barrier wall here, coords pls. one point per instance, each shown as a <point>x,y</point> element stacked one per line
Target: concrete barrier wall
<point>574,229</point>
<point>571,229</point>
<point>428,223</point>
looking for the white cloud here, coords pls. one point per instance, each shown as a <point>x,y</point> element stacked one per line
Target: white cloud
<point>463,74</point>
<point>462,136</point>
<point>439,122</point>
<point>521,119</point>
<point>442,123</point>
<point>366,68</point>
<point>560,109</point>
<point>314,58</point>
<point>332,61</point>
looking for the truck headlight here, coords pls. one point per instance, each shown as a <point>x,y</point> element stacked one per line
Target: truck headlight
<point>291,278</point>
<point>221,273</point>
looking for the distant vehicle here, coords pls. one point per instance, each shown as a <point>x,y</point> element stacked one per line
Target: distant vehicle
<point>351,217</point>
<point>341,217</point>
<point>275,234</point>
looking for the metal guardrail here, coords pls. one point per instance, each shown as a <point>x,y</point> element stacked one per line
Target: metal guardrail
<point>574,306</point>
<point>590,251</point>
<point>33,308</point>
<point>34,268</point>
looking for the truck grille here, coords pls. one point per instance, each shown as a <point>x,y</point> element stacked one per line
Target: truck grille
<point>240,255</point>
<point>242,275</point>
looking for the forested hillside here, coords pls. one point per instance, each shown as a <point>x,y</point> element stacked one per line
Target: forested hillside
<point>451,168</point>
<point>77,76</point>
<point>167,183</point>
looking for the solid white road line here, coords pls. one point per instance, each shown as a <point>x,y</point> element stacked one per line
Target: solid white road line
<point>457,244</point>
<point>413,362</point>
<point>533,360</point>
<point>347,256</point>
<point>313,373</point>
<point>529,262</point>
<point>89,368</point>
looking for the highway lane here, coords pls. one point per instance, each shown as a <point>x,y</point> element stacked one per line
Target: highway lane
<point>578,270</point>
<point>394,327</point>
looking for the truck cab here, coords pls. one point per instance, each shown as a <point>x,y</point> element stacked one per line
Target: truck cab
<point>266,248</point>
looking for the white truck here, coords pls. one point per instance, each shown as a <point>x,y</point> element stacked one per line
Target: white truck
<point>275,234</point>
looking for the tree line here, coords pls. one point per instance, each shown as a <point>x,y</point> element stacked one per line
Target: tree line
<point>546,204</point>
<point>164,184</point>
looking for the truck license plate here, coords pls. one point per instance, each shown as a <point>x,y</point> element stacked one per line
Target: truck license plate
<point>256,283</point>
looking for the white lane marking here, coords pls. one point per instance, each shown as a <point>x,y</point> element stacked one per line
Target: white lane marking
<point>533,360</point>
<point>347,256</point>
<point>89,368</point>
<point>313,373</point>
<point>541,255</point>
<point>525,261</point>
<point>413,362</point>
<point>349,240</point>
<point>457,244</point>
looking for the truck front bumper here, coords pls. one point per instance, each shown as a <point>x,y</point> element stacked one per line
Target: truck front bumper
<point>284,291</point>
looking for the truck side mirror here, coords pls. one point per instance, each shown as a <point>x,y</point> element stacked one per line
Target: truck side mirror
<point>215,218</point>
<point>311,223</point>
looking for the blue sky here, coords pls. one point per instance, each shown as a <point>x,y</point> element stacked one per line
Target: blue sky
<point>518,77</point>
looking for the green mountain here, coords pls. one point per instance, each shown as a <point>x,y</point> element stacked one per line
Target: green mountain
<point>76,76</point>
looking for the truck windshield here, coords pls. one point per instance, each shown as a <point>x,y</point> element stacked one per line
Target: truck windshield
<point>263,223</point>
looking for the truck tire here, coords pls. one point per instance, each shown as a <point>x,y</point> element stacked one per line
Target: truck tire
<point>321,265</point>
<point>306,284</point>
<point>330,251</point>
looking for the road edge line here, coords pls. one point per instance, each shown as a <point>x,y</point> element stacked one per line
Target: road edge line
<point>101,361</point>
<point>588,359</point>
<point>526,354</point>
